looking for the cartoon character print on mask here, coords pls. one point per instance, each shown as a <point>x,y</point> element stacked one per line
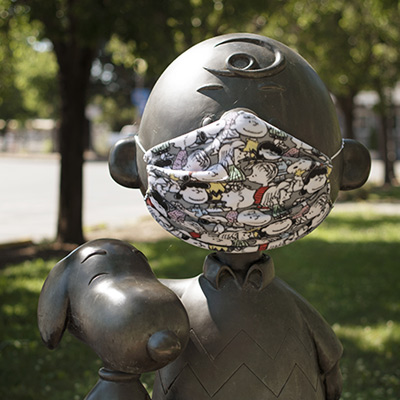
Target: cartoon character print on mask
<point>238,185</point>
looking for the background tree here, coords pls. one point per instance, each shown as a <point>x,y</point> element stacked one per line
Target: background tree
<point>27,70</point>
<point>354,47</point>
<point>36,80</point>
<point>316,31</point>
<point>77,29</point>
<point>111,85</point>
<point>11,103</point>
<point>158,29</point>
<point>378,21</point>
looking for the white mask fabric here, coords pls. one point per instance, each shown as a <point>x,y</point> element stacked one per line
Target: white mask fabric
<point>238,185</point>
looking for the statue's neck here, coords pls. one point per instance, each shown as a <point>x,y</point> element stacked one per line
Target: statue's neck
<point>240,263</point>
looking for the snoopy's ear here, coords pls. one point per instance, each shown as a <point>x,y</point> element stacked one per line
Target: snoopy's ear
<point>356,165</point>
<point>53,306</point>
<point>122,163</point>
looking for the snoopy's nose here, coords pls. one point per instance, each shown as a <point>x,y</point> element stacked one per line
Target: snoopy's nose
<point>164,346</point>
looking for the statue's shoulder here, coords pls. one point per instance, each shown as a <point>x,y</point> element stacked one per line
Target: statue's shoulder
<point>180,286</point>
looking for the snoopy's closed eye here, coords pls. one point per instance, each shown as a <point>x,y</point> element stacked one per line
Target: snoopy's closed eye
<point>97,276</point>
<point>97,252</point>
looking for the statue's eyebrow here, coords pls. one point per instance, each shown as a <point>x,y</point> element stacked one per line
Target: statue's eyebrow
<point>97,252</point>
<point>255,41</point>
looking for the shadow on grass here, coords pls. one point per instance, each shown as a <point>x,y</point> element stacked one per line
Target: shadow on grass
<point>28,370</point>
<point>372,192</point>
<point>370,373</point>
<point>354,284</point>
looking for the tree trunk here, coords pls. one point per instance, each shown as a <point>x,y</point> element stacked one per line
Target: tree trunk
<point>74,71</point>
<point>387,143</point>
<point>346,104</point>
<point>387,150</point>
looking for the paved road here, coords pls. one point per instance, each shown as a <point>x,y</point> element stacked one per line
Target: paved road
<point>29,197</point>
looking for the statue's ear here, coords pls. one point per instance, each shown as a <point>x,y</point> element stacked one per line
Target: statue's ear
<point>53,305</point>
<point>122,163</point>
<point>356,165</point>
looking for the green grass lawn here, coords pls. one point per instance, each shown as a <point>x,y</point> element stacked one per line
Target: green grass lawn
<point>349,269</point>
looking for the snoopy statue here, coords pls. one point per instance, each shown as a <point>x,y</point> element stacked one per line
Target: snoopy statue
<point>106,294</point>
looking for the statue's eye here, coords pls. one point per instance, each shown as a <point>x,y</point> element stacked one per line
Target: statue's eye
<point>100,252</point>
<point>97,276</point>
<point>241,61</point>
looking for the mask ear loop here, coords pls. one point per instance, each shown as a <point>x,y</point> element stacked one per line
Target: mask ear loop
<point>139,144</point>
<point>338,152</point>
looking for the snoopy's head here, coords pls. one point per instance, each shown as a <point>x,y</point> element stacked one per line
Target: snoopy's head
<point>106,294</point>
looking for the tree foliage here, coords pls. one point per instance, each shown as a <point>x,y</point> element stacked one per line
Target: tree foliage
<point>36,80</point>
<point>354,47</point>
<point>157,31</point>
<point>27,68</point>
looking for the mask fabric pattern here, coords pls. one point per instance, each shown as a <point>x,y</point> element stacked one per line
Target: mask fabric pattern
<point>238,185</point>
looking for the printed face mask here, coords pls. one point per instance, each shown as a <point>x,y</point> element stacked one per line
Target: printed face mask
<point>238,185</point>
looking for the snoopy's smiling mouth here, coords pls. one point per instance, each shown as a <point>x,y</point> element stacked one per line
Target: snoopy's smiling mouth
<point>252,132</point>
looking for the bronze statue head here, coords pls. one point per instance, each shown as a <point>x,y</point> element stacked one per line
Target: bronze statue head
<point>242,71</point>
